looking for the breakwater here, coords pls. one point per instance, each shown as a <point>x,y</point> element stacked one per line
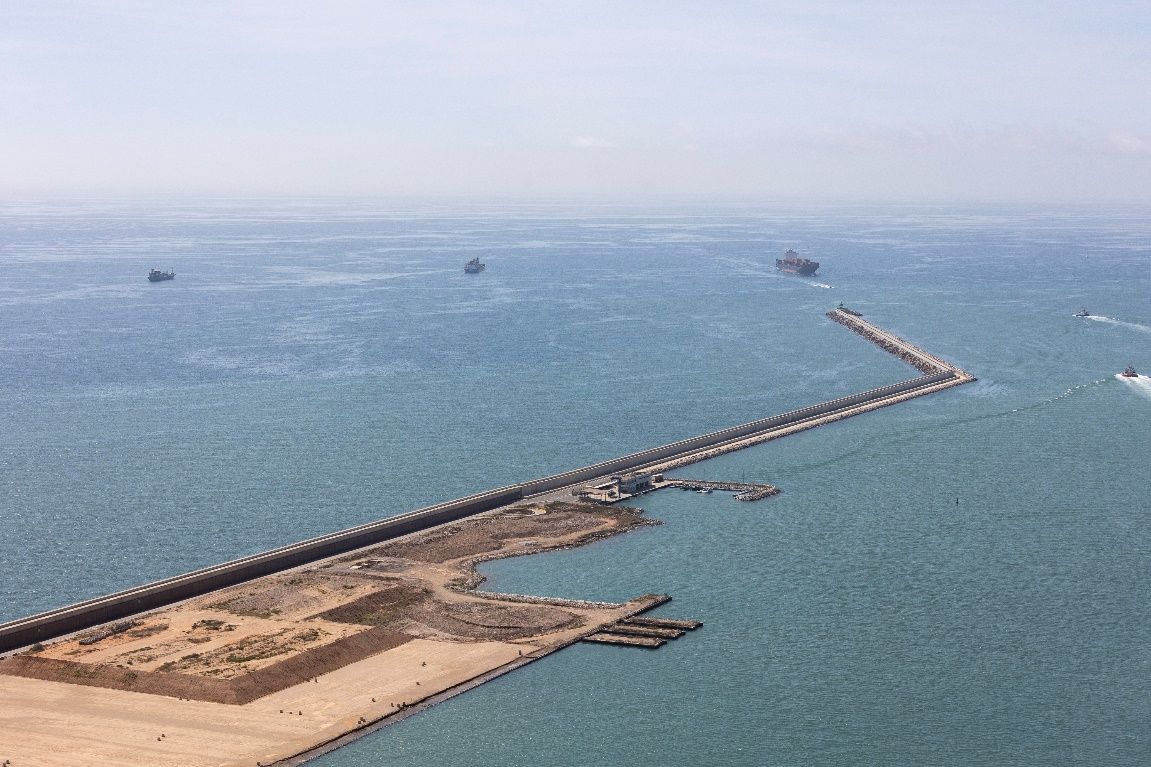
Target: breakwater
<point>93,612</point>
<point>923,361</point>
<point>938,375</point>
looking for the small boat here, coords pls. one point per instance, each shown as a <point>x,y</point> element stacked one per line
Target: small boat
<point>474,266</point>
<point>1129,372</point>
<point>704,491</point>
<point>155,275</point>
<point>1082,313</point>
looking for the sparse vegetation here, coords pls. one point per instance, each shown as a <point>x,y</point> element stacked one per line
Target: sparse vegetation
<point>379,608</point>
<point>148,631</point>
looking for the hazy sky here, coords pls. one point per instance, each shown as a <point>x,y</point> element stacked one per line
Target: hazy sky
<point>791,99</point>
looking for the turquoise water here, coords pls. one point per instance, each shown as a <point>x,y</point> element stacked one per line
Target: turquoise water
<point>316,365</point>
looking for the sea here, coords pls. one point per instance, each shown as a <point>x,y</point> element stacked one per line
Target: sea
<point>962,580</point>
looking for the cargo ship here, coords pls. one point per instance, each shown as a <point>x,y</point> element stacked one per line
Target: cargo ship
<point>474,266</point>
<point>155,275</point>
<point>793,264</point>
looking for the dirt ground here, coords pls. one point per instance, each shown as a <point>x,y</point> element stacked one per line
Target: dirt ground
<point>224,646</point>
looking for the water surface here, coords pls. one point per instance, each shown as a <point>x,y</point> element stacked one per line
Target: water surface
<point>320,364</point>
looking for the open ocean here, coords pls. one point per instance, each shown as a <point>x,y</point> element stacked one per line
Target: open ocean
<point>315,365</point>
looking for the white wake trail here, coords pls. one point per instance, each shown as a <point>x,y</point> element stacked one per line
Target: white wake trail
<point>1121,323</point>
<point>1068,393</point>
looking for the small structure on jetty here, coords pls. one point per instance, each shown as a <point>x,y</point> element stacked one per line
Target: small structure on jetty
<point>618,488</point>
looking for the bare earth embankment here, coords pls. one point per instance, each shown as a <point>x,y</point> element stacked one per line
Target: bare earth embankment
<point>267,669</point>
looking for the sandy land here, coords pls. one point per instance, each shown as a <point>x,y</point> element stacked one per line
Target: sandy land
<point>268,669</point>
<point>52,724</point>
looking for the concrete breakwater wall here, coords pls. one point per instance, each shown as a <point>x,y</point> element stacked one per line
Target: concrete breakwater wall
<point>656,455</point>
<point>161,593</point>
<point>94,612</point>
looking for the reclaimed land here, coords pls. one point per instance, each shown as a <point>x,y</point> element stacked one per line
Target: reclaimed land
<point>281,668</point>
<point>268,670</point>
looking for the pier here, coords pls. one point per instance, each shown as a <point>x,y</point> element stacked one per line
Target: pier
<point>649,633</point>
<point>744,491</point>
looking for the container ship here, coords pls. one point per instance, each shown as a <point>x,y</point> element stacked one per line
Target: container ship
<point>793,264</point>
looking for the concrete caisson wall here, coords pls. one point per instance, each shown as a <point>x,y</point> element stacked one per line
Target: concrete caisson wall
<point>122,604</point>
<point>655,454</point>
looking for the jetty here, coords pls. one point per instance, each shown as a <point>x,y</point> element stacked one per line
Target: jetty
<point>744,491</point>
<point>346,666</point>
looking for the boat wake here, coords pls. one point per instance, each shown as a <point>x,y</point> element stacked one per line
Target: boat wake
<point>912,435</point>
<point>820,285</point>
<point>1121,323</point>
<point>1050,400</point>
<point>1140,384</point>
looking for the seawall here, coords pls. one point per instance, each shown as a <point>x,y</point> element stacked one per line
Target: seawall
<point>83,615</point>
<point>93,612</point>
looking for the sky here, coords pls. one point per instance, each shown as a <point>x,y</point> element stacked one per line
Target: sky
<point>780,100</point>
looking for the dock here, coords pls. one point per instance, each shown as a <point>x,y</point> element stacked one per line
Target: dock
<point>607,637</point>
<point>649,633</point>
<point>744,491</point>
<point>672,623</point>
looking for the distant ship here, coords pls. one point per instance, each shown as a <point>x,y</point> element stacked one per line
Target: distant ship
<point>156,275</point>
<point>793,264</point>
<point>1129,372</point>
<point>1082,313</point>
<point>474,266</point>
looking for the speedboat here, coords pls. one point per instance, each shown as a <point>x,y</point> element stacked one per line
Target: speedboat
<point>1129,372</point>
<point>1082,313</point>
